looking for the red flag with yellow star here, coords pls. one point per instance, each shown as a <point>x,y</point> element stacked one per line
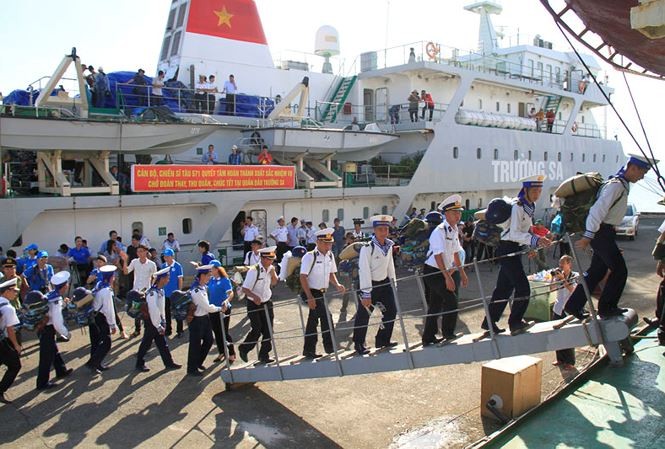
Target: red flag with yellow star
<point>230,19</point>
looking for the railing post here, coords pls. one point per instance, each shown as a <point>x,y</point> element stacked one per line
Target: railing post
<point>401,323</point>
<point>332,334</point>
<point>226,348</point>
<point>272,339</point>
<point>488,319</point>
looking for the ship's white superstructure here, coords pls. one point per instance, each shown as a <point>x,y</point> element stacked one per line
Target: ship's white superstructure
<point>481,140</point>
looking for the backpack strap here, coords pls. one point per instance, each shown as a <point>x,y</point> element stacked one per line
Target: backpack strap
<point>257,267</point>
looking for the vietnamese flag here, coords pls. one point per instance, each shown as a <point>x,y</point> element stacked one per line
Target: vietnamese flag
<point>230,19</point>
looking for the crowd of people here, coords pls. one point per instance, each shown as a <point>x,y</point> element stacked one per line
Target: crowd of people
<point>138,270</point>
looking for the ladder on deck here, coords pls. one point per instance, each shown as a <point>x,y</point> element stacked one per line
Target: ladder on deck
<point>333,107</point>
<point>613,333</point>
<point>553,102</point>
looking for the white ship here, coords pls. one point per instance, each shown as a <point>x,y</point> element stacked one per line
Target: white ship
<point>480,141</point>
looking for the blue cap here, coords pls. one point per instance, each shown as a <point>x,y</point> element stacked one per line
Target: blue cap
<point>31,247</point>
<point>169,252</point>
<point>215,263</point>
<point>42,254</point>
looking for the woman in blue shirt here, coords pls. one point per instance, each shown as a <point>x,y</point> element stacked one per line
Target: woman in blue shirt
<point>220,293</point>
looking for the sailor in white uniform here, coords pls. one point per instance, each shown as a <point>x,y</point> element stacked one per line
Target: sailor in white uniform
<point>606,213</point>
<point>443,273</point>
<point>103,325</point>
<point>200,331</point>
<point>512,277</point>
<point>377,273</point>
<point>253,257</point>
<point>281,236</point>
<point>49,356</point>
<point>155,324</point>
<point>357,232</point>
<point>257,288</point>
<point>10,348</point>
<point>317,271</point>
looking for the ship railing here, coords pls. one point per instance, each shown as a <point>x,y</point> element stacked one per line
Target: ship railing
<point>19,173</point>
<point>380,175</point>
<point>393,114</point>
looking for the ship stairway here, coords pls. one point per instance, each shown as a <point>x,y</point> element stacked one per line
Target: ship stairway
<point>553,102</point>
<point>53,180</point>
<point>312,172</point>
<point>542,337</point>
<point>336,103</point>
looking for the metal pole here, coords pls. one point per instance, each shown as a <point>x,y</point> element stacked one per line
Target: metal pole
<point>226,349</point>
<point>421,288</point>
<point>332,334</point>
<point>302,320</point>
<point>587,292</point>
<point>401,323</point>
<point>272,339</point>
<point>488,319</point>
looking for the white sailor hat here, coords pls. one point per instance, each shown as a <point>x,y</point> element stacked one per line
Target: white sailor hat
<point>280,218</point>
<point>325,235</point>
<point>60,278</point>
<point>161,273</point>
<point>645,163</point>
<point>107,271</point>
<point>268,252</point>
<point>381,220</point>
<point>453,202</point>
<point>234,147</point>
<point>203,269</point>
<point>533,181</point>
<point>9,284</point>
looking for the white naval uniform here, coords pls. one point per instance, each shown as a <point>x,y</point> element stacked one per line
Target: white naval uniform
<point>610,206</point>
<point>251,233</point>
<point>444,240</point>
<point>374,266</point>
<point>103,303</point>
<point>8,315</point>
<point>517,227</point>
<point>200,299</point>
<point>55,318</point>
<point>318,276</point>
<point>258,280</point>
<point>280,234</point>
<point>156,307</point>
<point>252,258</point>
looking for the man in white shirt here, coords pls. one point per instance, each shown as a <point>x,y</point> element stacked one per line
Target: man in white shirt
<point>310,236</point>
<point>211,91</point>
<point>257,289</point>
<point>249,234</point>
<point>103,325</point>
<point>10,348</point>
<point>143,269</point>
<point>377,273</point>
<point>200,95</point>
<point>443,273</point>
<point>301,233</point>
<point>606,213</point>
<point>253,257</point>
<point>292,229</point>
<point>155,324</point>
<point>230,89</point>
<point>317,271</point>
<point>280,235</point>
<point>171,243</point>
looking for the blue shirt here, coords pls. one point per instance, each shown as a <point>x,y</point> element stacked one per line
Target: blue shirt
<point>39,279</point>
<point>80,256</point>
<point>174,275</point>
<point>206,258</point>
<point>217,288</point>
<point>209,158</point>
<point>25,262</point>
<point>235,159</point>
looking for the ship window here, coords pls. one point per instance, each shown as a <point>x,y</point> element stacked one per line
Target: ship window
<point>582,119</point>
<point>365,213</point>
<point>176,43</point>
<point>559,115</point>
<point>384,210</point>
<point>467,204</point>
<point>325,215</point>
<point>603,158</point>
<point>558,156</point>
<point>617,159</point>
<point>169,23</point>
<point>508,107</point>
<point>455,152</point>
<point>516,155</point>
<point>480,103</point>
<point>498,106</point>
<point>479,153</point>
<point>186,225</point>
<point>529,155</point>
<point>531,67</point>
<point>137,226</point>
<point>181,14</point>
<point>540,69</point>
<point>480,203</point>
<point>165,48</point>
<point>496,154</point>
<point>594,157</point>
<point>544,155</point>
<point>340,214</point>
<point>432,205</point>
<point>583,157</point>
<point>572,156</point>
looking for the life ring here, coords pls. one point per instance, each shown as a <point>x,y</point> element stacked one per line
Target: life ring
<point>574,127</point>
<point>432,50</point>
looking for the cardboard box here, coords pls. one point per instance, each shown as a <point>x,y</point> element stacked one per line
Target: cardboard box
<point>516,380</point>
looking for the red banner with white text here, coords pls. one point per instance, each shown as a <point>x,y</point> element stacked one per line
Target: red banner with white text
<point>184,178</point>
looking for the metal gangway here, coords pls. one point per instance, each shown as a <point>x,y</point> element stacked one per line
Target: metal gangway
<point>612,334</point>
